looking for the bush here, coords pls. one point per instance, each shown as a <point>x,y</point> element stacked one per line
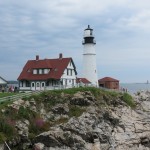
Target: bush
<point>2,137</point>
<point>23,113</point>
<point>129,100</point>
<point>6,129</point>
<point>38,125</point>
<point>75,111</point>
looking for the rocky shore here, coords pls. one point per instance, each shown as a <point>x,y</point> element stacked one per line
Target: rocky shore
<point>83,121</point>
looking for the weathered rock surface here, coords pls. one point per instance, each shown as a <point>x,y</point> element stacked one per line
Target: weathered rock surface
<point>60,109</point>
<point>112,127</point>
<point>116,128</point>
<point>82,99</point>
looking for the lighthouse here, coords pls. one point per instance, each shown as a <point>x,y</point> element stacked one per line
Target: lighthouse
<point>89,57</point>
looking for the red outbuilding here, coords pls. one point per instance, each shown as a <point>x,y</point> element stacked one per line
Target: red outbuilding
<point>108,82</point>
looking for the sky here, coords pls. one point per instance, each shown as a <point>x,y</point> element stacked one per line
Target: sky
<point>47,28</point>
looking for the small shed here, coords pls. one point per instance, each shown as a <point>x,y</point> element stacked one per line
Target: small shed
<point>83,82</point>
<point>108,82</point>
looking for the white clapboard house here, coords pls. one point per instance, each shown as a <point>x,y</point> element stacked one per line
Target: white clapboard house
<point>46,74</point>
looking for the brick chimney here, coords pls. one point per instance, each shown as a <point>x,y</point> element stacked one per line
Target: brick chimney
<point>37,57</point>
<point>60,56</point>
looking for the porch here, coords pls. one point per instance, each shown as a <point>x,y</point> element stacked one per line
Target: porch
<point>42,85</point>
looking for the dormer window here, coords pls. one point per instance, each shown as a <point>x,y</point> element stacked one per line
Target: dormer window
<point>41,71</point>
<point>46,71</point>
<point>34,71</point>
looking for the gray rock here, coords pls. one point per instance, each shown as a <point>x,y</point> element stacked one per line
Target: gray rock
<point>82,99</point>
<point>60,109</point>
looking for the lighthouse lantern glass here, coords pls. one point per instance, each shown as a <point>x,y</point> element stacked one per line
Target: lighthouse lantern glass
<point>87,33</point>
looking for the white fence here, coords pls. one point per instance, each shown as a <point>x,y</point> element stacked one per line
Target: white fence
<point>18,96</point>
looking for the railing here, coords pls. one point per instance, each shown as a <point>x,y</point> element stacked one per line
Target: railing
<point>7,145</point>
<point>18,96</point>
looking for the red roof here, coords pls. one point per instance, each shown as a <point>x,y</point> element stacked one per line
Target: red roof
<point>83,80</point>
<point>56,66</point>
<point>108,79</point>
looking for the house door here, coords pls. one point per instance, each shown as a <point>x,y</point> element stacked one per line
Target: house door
<point>38,86</point>
<point>33,86</point>
<point>43,86</point>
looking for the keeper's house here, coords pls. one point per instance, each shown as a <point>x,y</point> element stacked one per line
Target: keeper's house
<point>46,74</point>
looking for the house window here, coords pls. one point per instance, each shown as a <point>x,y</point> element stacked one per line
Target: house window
<point>34,71</point>
<point>65,81</point>
<point>21,83</point>
<point>40,71</point>
<point>72,81</point>
<point>38,84</point>
<point>27,84</point>
<point>46,71</point>
<point>71,72</point>
<point>67,71</point>
<point>47,83</point>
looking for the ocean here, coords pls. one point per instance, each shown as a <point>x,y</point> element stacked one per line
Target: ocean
<point>135,87</point>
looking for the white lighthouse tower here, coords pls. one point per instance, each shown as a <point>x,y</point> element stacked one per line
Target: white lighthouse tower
<point>89,57</point>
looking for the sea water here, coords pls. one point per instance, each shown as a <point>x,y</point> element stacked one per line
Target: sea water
<point>135,87</point>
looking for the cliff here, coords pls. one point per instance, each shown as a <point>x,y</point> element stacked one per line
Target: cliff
<point>83,118</point>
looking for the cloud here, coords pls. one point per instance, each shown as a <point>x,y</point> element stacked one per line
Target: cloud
<point>49,27</point>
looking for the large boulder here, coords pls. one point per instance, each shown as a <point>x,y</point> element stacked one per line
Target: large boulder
<point>60,139</point>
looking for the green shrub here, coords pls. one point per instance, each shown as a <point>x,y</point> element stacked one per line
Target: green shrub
<point>75,111</point>
<point>33,129</point>
<point>129,100</point>
<point>38,125</point>
<point>2,137</point>
<point>23,113</point>
<point>31,136</point>
<point>5,128</point>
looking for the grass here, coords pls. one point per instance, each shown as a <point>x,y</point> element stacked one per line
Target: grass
<point>7,131</point>
<point>75,111</point>
<point>72,91</point>
<point>128,100</point>
<point>6,94</point>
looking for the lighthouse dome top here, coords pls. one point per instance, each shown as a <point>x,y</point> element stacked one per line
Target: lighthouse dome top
<point>88,32</point>
<point>88,28</point>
